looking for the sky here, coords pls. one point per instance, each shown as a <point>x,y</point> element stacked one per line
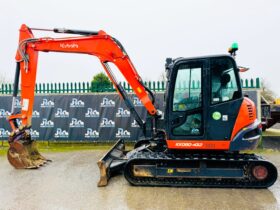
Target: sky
<point>150,31</point>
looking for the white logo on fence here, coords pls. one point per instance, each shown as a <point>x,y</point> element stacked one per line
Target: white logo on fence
<point>4,113</point>
<point>122,113</point>
<point>91,113</point>
<point>46,123</point>
<point>17,104</point>
<point>76,123</point>
<point>107,103</point>
<point>134,124</point>
<point>91,133</point>
<point>34,133</point>
<point>107,123</point>
<point>77,103</point>
<point>61,133</point>
<point>4,133</point>
<point>60,113</point>
<point>19,122</point>
<point>137,101</point>
<point>122,133</point>
<point>47,103</point>
<point>35,114</point>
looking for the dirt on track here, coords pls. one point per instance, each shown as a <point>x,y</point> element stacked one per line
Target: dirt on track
<point>70,182</point>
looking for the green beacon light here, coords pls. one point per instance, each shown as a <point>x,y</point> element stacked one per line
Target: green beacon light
<point>232,50</point>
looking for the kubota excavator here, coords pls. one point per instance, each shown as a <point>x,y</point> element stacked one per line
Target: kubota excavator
<point>195,143</point>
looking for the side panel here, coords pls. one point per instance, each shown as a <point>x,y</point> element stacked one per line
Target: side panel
<point>221,120</point>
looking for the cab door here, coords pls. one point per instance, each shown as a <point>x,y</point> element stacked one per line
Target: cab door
<point>185,113</point>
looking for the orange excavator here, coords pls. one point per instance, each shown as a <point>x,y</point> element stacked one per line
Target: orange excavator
<point>195,142</point>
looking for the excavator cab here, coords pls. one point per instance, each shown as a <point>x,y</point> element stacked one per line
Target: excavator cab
<point>205,107</point>
<point>203,94</point>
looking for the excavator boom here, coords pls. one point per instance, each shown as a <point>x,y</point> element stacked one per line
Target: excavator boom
<point>23,152</point>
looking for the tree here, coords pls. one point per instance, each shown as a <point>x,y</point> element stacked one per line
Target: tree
<point>266,92</point>
<point>101,83</point>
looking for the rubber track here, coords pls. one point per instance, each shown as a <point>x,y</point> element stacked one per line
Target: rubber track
<point>245,161</point>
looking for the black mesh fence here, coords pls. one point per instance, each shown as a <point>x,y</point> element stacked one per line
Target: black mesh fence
<point>82,117</point>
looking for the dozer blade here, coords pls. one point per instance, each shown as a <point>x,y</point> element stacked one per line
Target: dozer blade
<point>23,155</point>
<point>112,163</point>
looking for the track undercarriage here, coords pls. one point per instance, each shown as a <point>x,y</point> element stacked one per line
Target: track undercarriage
<point>145,167</point>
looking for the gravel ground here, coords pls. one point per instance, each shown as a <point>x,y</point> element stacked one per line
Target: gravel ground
<point>69,182</point>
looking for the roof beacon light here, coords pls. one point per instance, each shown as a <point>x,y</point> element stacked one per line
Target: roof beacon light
<point>232,50</point>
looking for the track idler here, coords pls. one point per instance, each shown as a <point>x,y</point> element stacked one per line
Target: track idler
<point>23,152</point>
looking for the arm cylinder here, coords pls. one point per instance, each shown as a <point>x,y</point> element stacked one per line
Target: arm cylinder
<point>16,82</point>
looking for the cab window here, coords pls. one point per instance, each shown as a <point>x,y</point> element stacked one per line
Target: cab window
<point>187,99</point>
<point>223,81</point>
<point>187,92</point>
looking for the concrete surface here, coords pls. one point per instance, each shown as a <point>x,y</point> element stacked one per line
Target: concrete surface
<point>276,126</point>
<point>70,183</point>
<point>271,142</point>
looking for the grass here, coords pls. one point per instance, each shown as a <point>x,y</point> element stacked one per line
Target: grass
<point>272,132</point>
<point>3,151</point>
<point>263,151</point>
<point>46,147</point>
<point>49,147</point>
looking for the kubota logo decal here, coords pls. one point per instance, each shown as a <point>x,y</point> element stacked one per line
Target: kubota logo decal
<point>71,46</point>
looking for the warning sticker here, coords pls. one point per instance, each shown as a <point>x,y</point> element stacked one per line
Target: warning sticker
<point>25,103</point>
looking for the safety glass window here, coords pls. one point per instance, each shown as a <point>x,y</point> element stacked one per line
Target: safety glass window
<point>223,81</point>
<point>191,127</point>
<point>187,91</point>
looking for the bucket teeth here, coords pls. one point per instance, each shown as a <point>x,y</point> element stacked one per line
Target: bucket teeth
<point>23,152</point>
<point>25,155</point>
<point>104,177</point>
